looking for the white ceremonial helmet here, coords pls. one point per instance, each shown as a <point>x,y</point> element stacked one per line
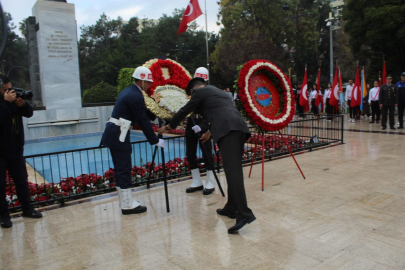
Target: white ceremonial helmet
<point>143,74</point>
<point>201,72</point>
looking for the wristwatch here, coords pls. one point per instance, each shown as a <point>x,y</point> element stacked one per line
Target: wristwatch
<point>167,127</point>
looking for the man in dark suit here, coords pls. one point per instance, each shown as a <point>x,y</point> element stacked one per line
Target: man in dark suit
<point>229,131</point>
<point>388,101</point>
<point>129,110</point>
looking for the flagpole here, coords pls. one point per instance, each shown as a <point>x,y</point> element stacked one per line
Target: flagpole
<point>206,38</point>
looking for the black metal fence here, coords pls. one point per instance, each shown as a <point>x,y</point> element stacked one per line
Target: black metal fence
<point>55,178</point>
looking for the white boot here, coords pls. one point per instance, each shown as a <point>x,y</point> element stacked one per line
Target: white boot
<point>210,184</point>
<point>128,204</point>
<point>119,195</point>
<point>197,182</point>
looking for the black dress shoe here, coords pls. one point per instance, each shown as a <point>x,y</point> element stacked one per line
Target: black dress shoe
<point>240,224</point>
<point>194,189</point>
<point>377,122</point>
<point>400,127</point>
<point>137,210</point>
<point>208,191</point>
<point>383,128</point>
<point>5,221</point>
<point>225,213</point>
<point>31,213</point>
<point>372,122</point>
<point>393,128</point>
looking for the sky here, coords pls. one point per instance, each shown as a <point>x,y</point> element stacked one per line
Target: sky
<point>89,11</point>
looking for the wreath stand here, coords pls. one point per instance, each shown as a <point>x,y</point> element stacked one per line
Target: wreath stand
<point>160,136</point>
<point>255,151</point>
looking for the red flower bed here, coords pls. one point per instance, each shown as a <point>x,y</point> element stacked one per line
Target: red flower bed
<point>177,131</point>
<point>91,183</point>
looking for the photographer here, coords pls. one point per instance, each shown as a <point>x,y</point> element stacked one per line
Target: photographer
<point>12,149</point>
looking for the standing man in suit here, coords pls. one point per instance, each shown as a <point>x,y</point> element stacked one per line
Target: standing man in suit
<point>129,110</point>
<point>388,101</point>
<point>192,141</point>
<point>229,131</point>
<point>401,100</point>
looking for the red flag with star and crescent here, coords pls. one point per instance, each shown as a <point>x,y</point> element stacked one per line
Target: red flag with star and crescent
<point>192,12</point>
<point>304,93</point>
<point>334,95</point>
<point>356,94</point>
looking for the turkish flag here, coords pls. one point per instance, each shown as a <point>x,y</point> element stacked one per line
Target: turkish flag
<point>384,75</point>
<point>304,93</point>
<point>356,94</point>
<point>192,12</point>
<point>334,96</point>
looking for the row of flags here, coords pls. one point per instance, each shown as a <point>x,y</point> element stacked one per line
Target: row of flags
<point>359,92</point>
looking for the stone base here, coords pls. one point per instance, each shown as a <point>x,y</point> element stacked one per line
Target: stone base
<point>60,122</point>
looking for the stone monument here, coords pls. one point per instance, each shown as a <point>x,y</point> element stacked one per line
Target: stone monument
<point>58,54</point>
<point>55,79</point>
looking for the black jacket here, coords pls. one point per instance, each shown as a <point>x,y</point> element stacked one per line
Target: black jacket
<point>130,105</point>
<point>11,125</point>
<point>216,108</point>
<point>388,95</point>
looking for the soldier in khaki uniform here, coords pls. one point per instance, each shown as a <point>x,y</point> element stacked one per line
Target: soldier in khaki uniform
<point>388,101</point>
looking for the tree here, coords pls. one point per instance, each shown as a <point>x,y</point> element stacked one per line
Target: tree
<point>258,29</point>
<point>14,61</point>
<point>109,45</point>
<point>96,47</point>
<point>377,28</point>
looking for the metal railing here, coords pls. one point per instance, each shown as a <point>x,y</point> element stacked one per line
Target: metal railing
<point>55,178</point>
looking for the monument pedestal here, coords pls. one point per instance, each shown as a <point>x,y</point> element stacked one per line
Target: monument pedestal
<point>58,59</point>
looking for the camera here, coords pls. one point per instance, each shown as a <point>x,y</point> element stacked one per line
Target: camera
<point>21,93</point>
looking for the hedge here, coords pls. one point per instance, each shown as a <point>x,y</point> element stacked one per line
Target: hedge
<point>125,78</point>
<point>102,92</point>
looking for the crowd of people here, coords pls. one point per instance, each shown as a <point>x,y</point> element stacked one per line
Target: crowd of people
<point>379,103</point>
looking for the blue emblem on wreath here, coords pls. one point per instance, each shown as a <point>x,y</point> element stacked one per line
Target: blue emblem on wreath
<point>263,96</point>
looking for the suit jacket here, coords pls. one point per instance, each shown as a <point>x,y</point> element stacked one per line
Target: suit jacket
<point>216,108</point>
<point>11,125</point>
<point>130,105</point>
<point>388,95</point>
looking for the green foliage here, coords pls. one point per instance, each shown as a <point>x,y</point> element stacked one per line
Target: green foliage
<point>125,78</point>
<point>257,29</point>
<point>377,28</point>
<point>14,61</point>
<point>102,92</point>
<point>109,46</point>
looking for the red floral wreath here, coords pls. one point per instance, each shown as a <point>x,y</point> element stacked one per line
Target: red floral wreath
<point>256,112</point>
<point>178,75</point>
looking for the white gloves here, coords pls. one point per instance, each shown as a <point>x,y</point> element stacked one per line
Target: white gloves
<point>161,143</point>
<point>196,128</point>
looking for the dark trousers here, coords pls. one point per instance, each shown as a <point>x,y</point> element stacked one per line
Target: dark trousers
<point>375,111</point>
<point>401,107</point>
<point>122,167</point>
<point>191,152</point>
<point>14,162</point>
<point>314,108</point>
<point>351,111</point>
<point>329,109</point>
<point>231,147</point>
<point>385,110</point>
